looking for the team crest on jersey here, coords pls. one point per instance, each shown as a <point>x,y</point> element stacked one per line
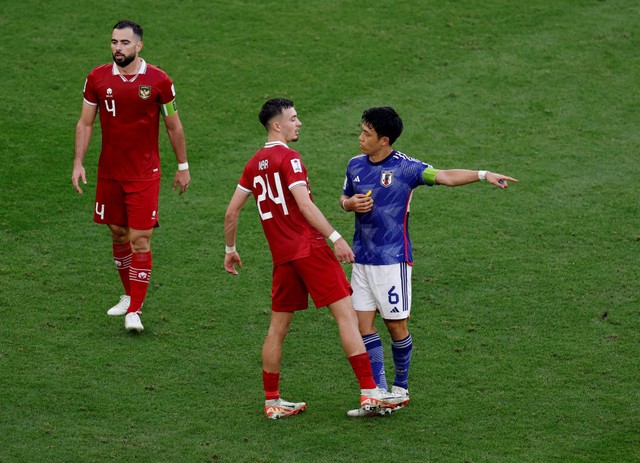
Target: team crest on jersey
<point>144,92</point>
<point>386,179</point>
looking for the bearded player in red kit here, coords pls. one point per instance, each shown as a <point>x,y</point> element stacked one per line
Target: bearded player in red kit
<point>129,95</point>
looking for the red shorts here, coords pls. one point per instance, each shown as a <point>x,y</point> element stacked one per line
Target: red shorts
<point>319,275</point>
<point>131,204</point>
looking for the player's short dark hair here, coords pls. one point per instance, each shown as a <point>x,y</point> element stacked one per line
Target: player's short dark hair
<point>272,108</point>
<point>385,121</point>
<point>127,24</point>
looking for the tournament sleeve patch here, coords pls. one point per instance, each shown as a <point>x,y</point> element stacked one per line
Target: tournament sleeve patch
<point>296,165</point>
<point>169,108</point>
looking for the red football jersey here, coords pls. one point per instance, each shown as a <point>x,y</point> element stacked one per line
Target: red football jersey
<point>129,108</point>
<point>269,175</point>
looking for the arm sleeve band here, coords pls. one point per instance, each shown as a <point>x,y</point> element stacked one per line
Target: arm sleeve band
<point>429,175</point>
<point>169,108</point>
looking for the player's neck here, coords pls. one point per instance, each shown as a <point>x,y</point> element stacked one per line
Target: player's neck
<point>381,154</point>
<point>275,137</point>
<point>132,68</point>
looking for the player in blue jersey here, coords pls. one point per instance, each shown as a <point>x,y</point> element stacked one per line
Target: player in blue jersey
<point>378,187</point>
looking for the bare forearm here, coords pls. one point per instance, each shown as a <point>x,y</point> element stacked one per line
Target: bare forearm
<point>178,142</point>
<point>456,177</point>
<point>83,137</point>
<point>232,216</point>
<point>231,227</point>
<point>343,202</point>
<point>316,219</point>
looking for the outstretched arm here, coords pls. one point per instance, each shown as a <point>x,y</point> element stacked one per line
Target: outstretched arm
<point>231,256</point>
<point>457,177</point>
<point>314,216</point>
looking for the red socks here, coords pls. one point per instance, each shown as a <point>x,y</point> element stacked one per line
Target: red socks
<point>134,271</point>
<point>139,274</point>
<point>122,259</point>
<point>271,383</point>
<point>362,368</point>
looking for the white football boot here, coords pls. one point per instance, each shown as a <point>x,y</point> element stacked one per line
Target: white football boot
<point>278,408</point>
<point>121,307</point>
<point>132,322</point>
<point>377,401</point>
<point>400,391</point>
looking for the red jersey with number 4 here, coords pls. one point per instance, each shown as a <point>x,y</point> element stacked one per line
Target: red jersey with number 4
<point>129,108</point>
<point>270,175</point>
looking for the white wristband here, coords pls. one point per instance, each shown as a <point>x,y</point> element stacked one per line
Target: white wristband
<point>229,249</point>
<point>335,236</point>
<point>183,166</point>
<point>343,203</point>
<point>482,174</point>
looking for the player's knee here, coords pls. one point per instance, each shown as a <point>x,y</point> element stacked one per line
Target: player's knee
<point>140,242</point>
<point>119,235</point>
<point>366,328</point>
<point>397,329</point>
<point>140,246</point>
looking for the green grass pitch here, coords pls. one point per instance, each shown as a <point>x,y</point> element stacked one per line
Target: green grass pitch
<point>525,309</point>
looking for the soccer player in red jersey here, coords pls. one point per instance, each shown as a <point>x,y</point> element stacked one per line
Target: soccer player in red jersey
<point>303,263</point>
<point>129,95</point>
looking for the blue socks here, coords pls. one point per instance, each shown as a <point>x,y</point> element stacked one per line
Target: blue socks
<point>402,359</point>
<point>376,355</point>
<point>401,351</point>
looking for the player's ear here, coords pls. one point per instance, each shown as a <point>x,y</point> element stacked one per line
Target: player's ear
<point>139,46</point>
<point>384,141</point>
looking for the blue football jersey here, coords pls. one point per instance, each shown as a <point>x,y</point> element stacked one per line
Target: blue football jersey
<point>382,235</point>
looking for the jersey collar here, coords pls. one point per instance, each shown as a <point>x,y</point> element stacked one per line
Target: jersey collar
<point>391,155</point>
<point>271,144</point>
<point>142,70</point>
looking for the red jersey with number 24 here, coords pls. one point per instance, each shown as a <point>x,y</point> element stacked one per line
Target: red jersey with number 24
<point>129,108</point>
<point>270,175</point>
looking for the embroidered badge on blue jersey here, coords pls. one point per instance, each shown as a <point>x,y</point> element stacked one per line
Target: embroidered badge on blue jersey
<point>386,178</point>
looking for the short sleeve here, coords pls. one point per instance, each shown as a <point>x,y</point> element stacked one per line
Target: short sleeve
<point>293,170</point>
<point>89,91</point>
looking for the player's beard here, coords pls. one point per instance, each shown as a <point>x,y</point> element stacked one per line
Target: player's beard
<point>123,61</point>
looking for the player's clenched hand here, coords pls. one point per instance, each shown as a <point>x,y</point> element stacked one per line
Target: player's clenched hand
<point>360,203</point>
<point>231,259</point>
<point>499,180</point>
<point>77,174</point>
<point>343,251</point>
<point>182,178</point>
